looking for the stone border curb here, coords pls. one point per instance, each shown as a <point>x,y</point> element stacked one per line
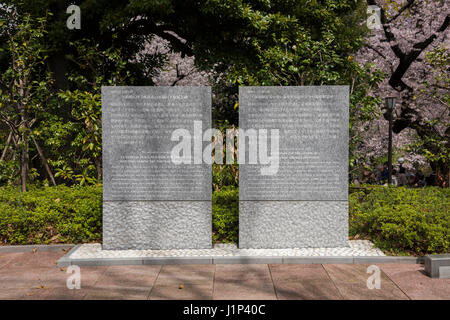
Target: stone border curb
<point>66,260</point>
<point>389,259</point>
<point>38,247</point>
<point>320,260</point>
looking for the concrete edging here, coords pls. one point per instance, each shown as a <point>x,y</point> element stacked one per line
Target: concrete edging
<point>66,261</point>
<point>38,247</point>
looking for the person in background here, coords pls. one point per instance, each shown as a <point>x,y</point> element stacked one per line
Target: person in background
<point>402,179</point>
<point>421,182</point>
<point>415,180</point>
<point>380,174</point>
<point>385,171</point>
<point>371,179</point>
<point>410,177</point>
<point>365,179</point>
<point>394,178</point>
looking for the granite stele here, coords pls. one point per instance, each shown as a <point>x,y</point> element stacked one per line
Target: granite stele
<point>303,201</point>
<point>150,201</point>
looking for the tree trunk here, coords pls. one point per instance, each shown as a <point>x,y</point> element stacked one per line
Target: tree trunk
<point>44,161</point>
<point>6,146</point>
<point>24,164</point>
<point>23,129</point>
<point>98,165</point>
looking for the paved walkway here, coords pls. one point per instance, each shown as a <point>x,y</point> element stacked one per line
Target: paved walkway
<point>35,276</point>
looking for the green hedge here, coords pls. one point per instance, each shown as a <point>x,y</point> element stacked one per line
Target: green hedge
<point>398,220</point>
<point>226,214</point>
<point>51,215</point>
<point>403,220</point>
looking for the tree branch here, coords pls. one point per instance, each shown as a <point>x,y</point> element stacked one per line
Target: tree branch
<point>377,51</point>
<point>406,60</point>
<point>44,161</point>
<point>6,146</point>
<point>407,6</point>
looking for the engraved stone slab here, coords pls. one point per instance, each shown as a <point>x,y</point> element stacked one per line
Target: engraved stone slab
<point>137,127</point>
<point>313,146</point>
<point>150,202</point>
<point>304,203</point>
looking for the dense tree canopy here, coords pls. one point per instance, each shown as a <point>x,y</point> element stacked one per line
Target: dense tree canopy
<point>232,42</point>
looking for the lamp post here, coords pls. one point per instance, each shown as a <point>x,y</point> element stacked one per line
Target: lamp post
<point>390,103</point>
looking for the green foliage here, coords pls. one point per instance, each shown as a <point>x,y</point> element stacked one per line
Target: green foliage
<point>62,72</point>
<point>8,171</point>
<point>24,85</point>
<point>225,207</point>
<point>225,175</point>
<point>244,42</point>
<point>403,220</point>
<point>290,43</point>
<point>434,147</point>
<point>85,105</point>
<point>50,215</point>
<point>225,103</point>
<point>398,220</point>
<point>363,109</point>
<point>226,214</point>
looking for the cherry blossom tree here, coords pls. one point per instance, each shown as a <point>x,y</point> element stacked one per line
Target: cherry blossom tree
<point>411,48</point>
<point>179,69</point>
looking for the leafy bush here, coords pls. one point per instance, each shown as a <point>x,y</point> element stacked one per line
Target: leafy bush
<point>51,215</point>
<point>226,214</point>
<point>398,220</point>
<point>403,220</point>
<point>225,175</point>
<point>74,215</point>
<point>8,171</point>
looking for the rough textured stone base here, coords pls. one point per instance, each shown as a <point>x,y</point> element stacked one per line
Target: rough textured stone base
<point>293,224</point>
<point>156,225</point>
<point>356,251</point>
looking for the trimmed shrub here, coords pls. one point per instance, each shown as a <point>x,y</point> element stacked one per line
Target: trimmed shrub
<point>225,218</point>
<point>398,220</point>
<point>403,220</point>
<point>51,215</point>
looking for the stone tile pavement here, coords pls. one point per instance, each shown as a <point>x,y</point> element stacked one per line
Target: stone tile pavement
<point>31,275</point>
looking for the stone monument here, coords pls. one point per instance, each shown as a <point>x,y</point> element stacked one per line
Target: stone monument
<point>303,200</point>
<point>150,201</point>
